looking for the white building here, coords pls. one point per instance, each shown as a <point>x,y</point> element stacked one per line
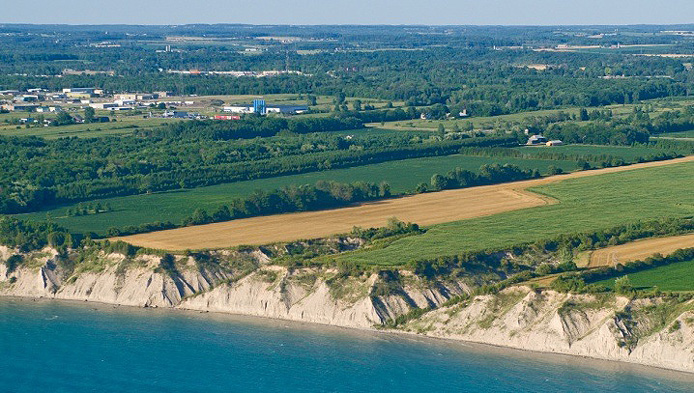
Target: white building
<point>285,109</point>
<point>103,105</point>
<point>46,109</point>
<point>125,97</point>
<point>125,102</point>
<point>239,109</point>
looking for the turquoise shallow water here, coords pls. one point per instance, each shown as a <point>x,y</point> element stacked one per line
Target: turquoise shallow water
<point>74,347</point>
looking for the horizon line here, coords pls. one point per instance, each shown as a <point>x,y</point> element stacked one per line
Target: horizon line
<point>345,24</point>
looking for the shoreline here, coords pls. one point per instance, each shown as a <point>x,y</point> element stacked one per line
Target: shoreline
<point>470,345</point>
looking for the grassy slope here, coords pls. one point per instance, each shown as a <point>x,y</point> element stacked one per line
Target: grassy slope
<point>675,277</point>
<point>173,206</point>
<point>587,204</point>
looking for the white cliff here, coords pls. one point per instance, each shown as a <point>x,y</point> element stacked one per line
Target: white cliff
<point>647,331</point>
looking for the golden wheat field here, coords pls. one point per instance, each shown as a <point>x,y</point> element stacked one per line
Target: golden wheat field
<point>639,250</point>
<point>423,209</point>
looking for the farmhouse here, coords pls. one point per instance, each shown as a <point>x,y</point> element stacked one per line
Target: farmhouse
<point>537,140</point>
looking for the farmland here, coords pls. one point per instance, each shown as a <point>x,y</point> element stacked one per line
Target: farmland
<point>431,208</point>
<point>503,122</point>
<point>583,206</point>
<point>639,250</point>
<point>586,204</point>
<point>680,134</point>
<point>124,126</point>
<point>627,153</point>
<point>403,176</point>
<point>677,277</point>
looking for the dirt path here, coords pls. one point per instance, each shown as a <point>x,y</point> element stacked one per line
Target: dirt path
<point>424,209</point>
<point>639,250</point>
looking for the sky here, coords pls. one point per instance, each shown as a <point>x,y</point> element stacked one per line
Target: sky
<point>424,12</point>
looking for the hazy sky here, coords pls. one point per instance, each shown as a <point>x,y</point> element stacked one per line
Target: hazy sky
<point>533,12</point>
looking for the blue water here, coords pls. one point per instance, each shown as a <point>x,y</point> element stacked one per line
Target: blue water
<point>49,346</point>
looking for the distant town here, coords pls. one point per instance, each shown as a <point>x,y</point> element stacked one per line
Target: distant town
<point>160,104</point>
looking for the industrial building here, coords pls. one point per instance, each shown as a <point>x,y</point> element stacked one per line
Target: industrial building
<point>260,107</point>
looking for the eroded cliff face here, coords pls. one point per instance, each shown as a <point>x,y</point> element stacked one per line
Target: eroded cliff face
<point>653,332</point>
<point>311,295</point>
<point>115,280</point>
<point>657,332</point>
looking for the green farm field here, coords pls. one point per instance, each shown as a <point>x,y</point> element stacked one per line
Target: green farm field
<point>585,204</point>
<point>124,126</point>
<point>628,153</point>
<point>174,206</point>
<point>680,134</point>
<point>678,276</point>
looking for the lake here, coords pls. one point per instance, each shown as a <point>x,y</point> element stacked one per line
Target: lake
<point>84,347</point>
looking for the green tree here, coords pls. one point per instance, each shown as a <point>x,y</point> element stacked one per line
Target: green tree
<point>623,286</point>
<point>63,119</point>
<point>89,114</point>
<point>439,182</point>
<point>384,189</point>
<point>554,170</point>
<point>357,105</point>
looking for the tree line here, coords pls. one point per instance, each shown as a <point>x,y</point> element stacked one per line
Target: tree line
<point>39,173</point>
<point>329,194</point>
